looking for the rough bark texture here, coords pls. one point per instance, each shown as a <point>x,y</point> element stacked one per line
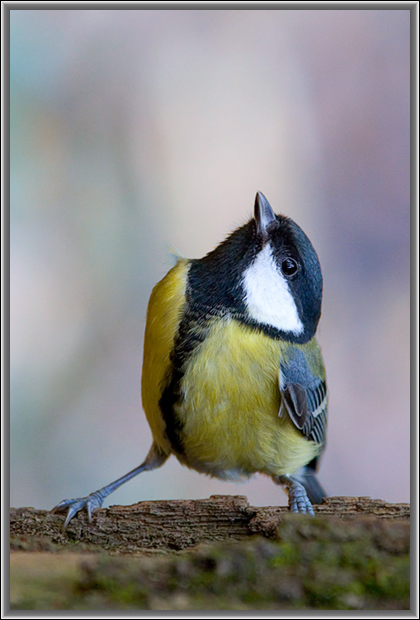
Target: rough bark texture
<point>214,554</point>
<point>175,524</point>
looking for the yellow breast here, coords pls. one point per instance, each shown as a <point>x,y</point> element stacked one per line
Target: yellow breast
<point>229,410</point>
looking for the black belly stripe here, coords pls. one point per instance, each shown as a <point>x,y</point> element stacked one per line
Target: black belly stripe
<point>191,333</point>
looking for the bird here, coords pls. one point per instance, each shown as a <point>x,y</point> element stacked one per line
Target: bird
<point>233,380</point>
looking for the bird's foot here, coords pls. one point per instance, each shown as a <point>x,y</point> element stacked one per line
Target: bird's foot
<point>299,501</point>
<point>89,503</point>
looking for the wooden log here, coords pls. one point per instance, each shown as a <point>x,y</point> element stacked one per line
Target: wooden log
<point>176,524</point>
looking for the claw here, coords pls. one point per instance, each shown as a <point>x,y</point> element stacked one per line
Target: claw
<point>90,503</point>
<point>154,459</point>
<point>299,501</point>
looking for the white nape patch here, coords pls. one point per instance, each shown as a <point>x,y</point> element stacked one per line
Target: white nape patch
<point>268,296</point>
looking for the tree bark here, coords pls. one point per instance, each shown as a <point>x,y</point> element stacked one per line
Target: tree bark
<point>178,524</point>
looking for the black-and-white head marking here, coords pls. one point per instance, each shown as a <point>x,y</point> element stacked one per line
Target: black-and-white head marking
<point>283,284</point>
<point>265,274</point>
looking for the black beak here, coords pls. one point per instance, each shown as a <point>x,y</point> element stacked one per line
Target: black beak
<point>264,214</point>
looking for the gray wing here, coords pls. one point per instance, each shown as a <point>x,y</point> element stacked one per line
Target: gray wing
<point>304,395</point>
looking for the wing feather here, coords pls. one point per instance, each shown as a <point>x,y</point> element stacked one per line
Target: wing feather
<point>305,394</point>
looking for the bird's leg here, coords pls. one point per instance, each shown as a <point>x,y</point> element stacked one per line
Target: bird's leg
<point>153,460</point>
<point>299,501</point>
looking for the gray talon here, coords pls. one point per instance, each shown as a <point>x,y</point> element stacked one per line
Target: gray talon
<point>299,501</point>
<point>90,503</point>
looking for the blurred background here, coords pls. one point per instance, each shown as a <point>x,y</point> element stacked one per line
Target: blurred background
<point>133,131</point>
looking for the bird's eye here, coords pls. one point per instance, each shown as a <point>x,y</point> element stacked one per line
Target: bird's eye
<point>289,266</point>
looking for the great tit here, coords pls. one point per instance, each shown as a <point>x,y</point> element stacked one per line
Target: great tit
<point>233,379</point>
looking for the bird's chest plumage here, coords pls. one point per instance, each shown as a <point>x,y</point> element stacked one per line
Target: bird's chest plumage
<point>229,403</point>
<point>210,390</point>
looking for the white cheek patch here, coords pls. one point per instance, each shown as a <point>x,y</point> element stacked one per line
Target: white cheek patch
<point>267,295</point>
